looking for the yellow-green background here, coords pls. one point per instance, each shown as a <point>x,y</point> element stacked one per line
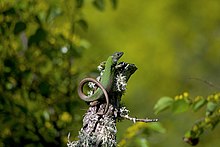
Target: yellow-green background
<point>170,41</point>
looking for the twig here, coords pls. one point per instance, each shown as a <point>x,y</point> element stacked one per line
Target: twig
<point>124,113</point>
<point>147,120</point>
<point>205,81</point>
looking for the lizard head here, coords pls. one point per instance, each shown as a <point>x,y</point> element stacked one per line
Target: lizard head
<point>116,56</point>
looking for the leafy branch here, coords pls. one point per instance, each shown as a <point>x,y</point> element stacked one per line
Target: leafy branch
<point>183,102</point>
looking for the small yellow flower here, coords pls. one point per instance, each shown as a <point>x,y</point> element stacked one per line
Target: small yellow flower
<point>195,128</point>
<point>216,97</point>
<point>48,124</point>
<point>185,94</point>
<point>176,97</point>
<point>207,120</point>
<point>66,117</point>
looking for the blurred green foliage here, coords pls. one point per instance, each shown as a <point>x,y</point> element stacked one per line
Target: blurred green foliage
<point>137,134</point>
<point>39,52</point>
<point>171,42</point>
<point>182,103</point>
<point>44,51</point>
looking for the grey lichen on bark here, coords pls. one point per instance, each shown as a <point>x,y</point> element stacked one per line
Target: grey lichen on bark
<point>97,130</point>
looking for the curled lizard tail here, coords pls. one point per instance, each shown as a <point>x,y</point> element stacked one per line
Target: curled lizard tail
<point>87,98</point>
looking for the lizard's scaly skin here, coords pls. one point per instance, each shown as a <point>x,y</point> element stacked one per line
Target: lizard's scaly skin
<point>106,80</point>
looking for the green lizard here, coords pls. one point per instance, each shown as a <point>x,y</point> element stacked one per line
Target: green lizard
<point>105,83</point>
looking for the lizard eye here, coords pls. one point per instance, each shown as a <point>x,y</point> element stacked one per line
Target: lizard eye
<point>119,54</point>
<point>116,56</point>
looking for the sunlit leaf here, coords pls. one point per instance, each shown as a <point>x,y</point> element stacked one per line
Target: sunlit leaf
<point>180,106</point>
<point>162,104</point>
<point>199,104</point>
<point>53,13</point>
<point>157,127</point>
<point>141,142</point>
<point>211,107</point>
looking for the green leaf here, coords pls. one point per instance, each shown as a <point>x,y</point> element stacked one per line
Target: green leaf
<point>39,36</point>
<point>162,104</point>
<point>10,11</point>
<point>83,24</point>
<point>141,142</point>
<point>114,3</point>
<point>19,27</point>
<point>99,4</point>
<point>22,108</point>
<point>79,3</point>
<point>199,104</point>
<point>190,138</point>
<point>44,88</point>
<point>180,105</point>
<point>157,127</point>
<point>53,12</point>
<point>211,107</point>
